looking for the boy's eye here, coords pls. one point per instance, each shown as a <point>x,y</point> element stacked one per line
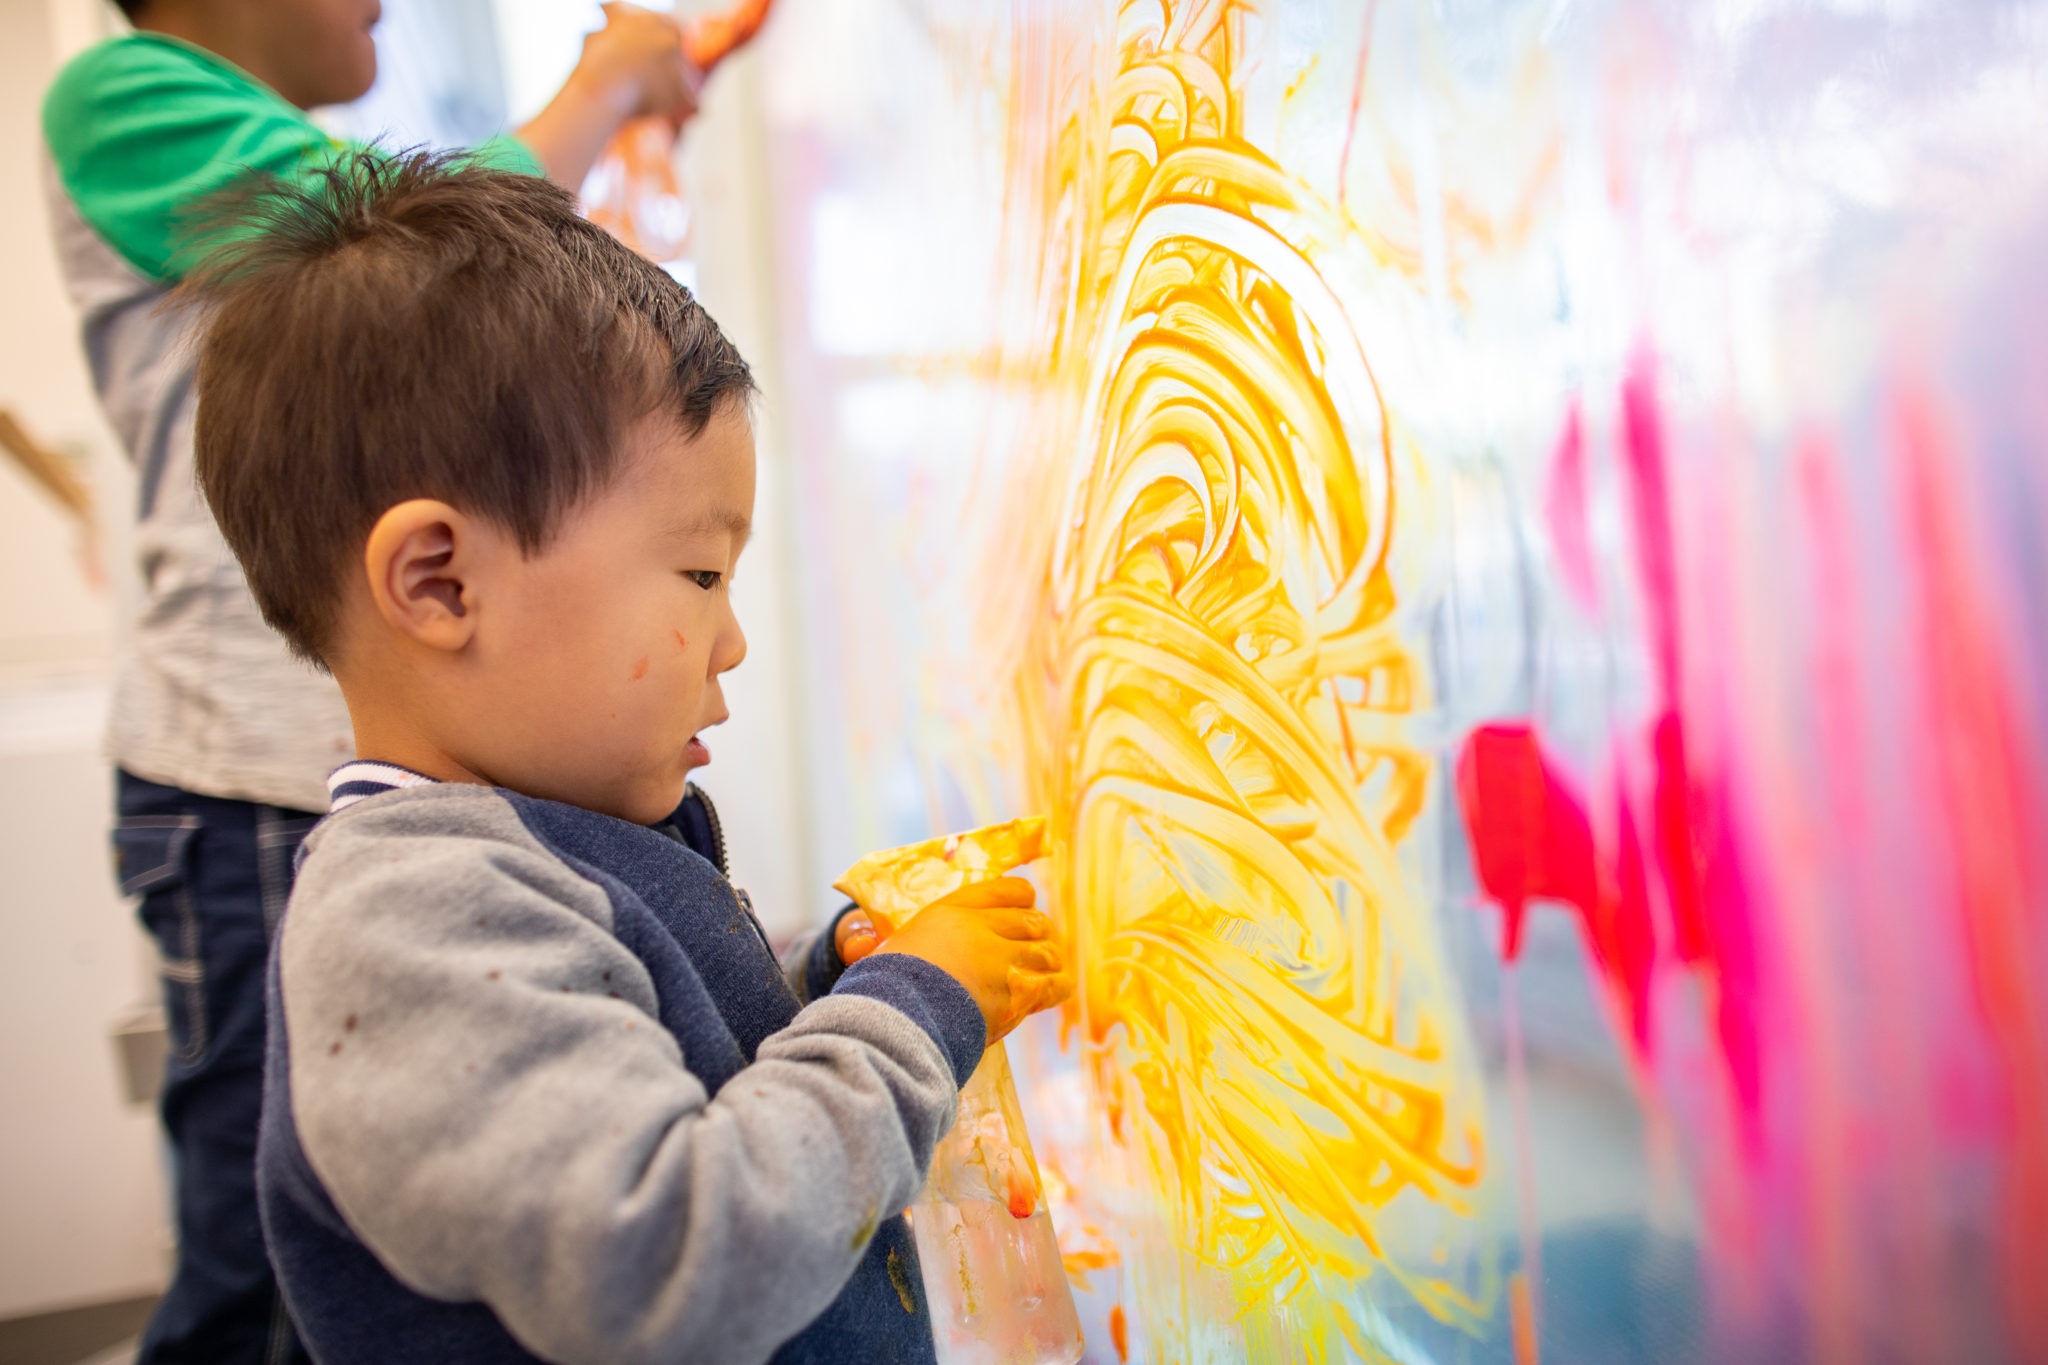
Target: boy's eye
<point>706,579</point>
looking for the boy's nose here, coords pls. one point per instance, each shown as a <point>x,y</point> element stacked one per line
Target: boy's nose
<point>730,650</point>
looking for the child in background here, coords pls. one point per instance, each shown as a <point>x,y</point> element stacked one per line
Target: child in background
<point>221,738</point>
<point>536,1087</point>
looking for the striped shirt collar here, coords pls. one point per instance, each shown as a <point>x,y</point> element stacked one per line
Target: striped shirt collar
<point>364,778</point>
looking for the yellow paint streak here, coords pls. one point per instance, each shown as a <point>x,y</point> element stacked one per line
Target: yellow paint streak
<point>1213,695</point>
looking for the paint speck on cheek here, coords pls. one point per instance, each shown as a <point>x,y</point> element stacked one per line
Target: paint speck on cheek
<point>681,643</point>
<point>639,669</point>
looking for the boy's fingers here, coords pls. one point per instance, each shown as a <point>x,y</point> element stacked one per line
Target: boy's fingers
<point>996,893</point>
<point>855,937</point>
<point>1031,991</point>
<point>1018,922</point>
<point>1039,957</point>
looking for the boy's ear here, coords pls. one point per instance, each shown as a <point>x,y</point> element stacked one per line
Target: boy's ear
<point>422,558</point>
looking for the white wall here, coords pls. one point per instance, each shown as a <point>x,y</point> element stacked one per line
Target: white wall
<point>82,1213</point>
<point>50,618</point>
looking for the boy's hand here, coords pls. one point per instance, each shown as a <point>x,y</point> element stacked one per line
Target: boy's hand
<point>988,937</point>
<point>636,60</point>
<point>854,937</point>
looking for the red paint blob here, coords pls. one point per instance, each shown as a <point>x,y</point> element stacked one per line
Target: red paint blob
<point>1531,840</point>
<point>639,669</point>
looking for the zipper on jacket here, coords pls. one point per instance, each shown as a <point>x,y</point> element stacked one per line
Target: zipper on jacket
<point>717,828</point>
<point>740,898</point>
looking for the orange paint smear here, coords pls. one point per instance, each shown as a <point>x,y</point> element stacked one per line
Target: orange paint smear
<point>1263,1004</point>
<point>711,39</point>
<point>1119,1333</point>
<point>639,669</point>
<point>681,643</point>
<point>1021,1199</point>
<point>1995,866</point>
<point>633,192</point>
<point>1084,1263</point>
<point>1522,1317</point>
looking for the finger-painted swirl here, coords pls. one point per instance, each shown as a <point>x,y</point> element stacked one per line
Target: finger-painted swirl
<point>1216,699</point>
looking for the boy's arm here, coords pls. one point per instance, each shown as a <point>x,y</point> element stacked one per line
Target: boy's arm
<point>812,965</point>
<point>632,66</point>
<point>143,130</point>
<point>482,1084</point>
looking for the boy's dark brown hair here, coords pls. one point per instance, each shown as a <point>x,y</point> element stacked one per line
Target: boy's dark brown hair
<point>419,326</point>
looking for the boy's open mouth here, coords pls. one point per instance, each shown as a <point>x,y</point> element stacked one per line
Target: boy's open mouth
<point>699,752</point>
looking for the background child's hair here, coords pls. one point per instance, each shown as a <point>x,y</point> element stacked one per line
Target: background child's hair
<point>418,326</point>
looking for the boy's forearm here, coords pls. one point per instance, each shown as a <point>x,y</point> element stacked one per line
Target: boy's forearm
<point>570,134</point>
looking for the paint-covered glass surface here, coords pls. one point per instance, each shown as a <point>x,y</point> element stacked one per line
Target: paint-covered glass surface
<point>1505,540</point>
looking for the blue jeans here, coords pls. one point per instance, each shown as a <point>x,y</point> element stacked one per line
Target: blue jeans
<point>213,876</point>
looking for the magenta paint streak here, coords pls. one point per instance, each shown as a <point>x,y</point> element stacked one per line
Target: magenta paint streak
<point>1531,840</point>
<point>1876,937</point>
<point>1693,815</point>
<point>1564,508</point>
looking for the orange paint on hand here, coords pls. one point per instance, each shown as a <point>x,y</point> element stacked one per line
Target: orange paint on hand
<point>639,669</point>
<point>1119,1334</point>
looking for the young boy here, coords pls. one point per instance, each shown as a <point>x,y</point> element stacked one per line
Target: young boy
<point>220,737</point>
<point>536,1087</point>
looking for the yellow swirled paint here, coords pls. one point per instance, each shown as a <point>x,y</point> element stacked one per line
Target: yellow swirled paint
<point>1214,701</point>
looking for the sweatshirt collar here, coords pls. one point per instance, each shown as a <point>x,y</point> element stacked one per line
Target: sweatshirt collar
<point>364,778</point>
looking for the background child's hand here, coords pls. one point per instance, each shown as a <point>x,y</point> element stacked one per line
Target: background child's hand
<point>637,60</point>
<point>988,937</point>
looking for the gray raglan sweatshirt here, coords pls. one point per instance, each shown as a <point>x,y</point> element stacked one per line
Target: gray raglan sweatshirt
<point>538,1090</point>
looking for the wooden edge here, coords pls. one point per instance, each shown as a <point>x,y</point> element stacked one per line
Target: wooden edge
<point>50,471</point>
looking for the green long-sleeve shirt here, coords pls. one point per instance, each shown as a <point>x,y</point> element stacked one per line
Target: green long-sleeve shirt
<point>145,126</point>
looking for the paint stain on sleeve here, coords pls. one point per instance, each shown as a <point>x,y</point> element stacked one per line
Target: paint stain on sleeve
<point>902,1283</point>
<point>639,669</point>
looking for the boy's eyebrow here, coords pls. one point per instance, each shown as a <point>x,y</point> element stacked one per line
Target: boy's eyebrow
<point>725,519</point>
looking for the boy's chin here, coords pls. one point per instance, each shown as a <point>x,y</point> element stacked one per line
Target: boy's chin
<point>650,807</point>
